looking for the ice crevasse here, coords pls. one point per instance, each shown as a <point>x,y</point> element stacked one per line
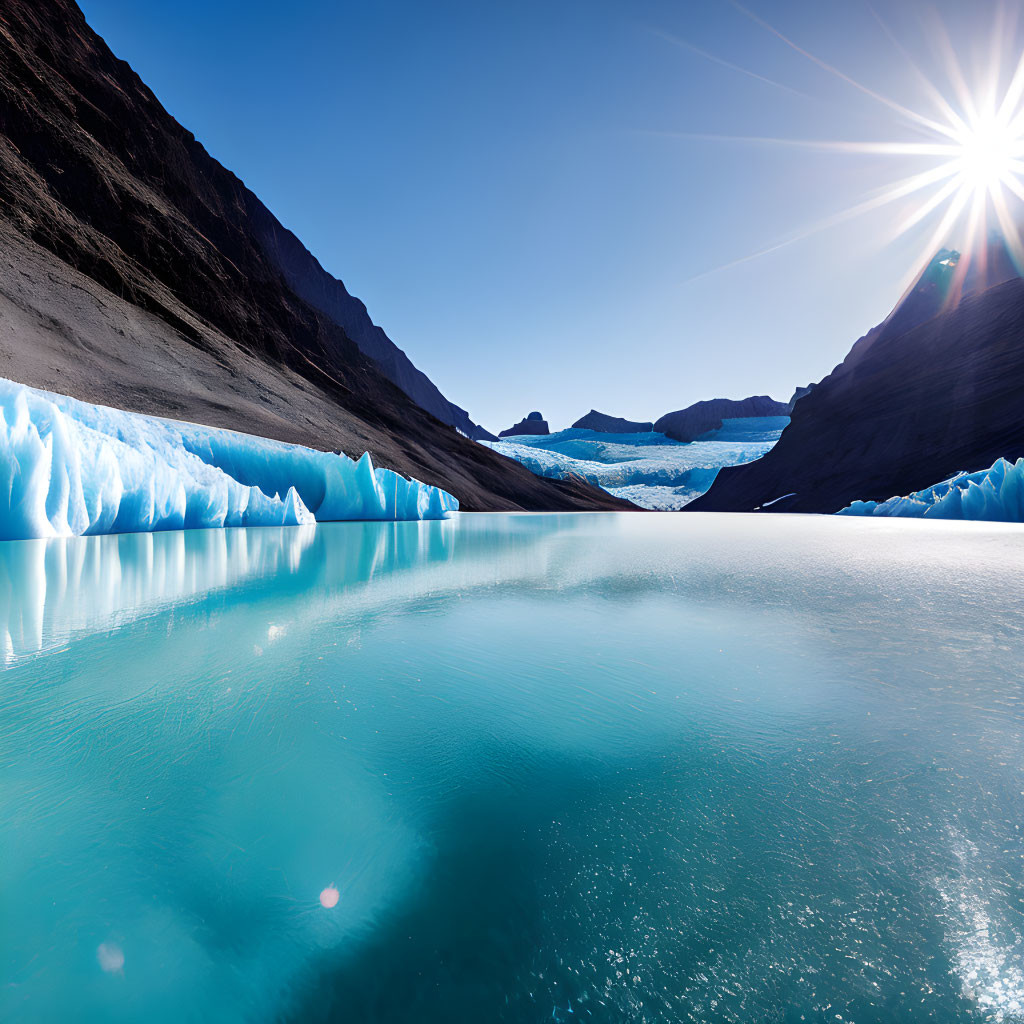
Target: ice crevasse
<point>995,494</point>
<point>70,468</point>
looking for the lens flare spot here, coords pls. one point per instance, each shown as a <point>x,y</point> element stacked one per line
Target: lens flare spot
<point>110,957</point>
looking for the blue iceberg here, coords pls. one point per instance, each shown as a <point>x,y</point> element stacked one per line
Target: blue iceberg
<point>995,494</point>
<point>68,468</point>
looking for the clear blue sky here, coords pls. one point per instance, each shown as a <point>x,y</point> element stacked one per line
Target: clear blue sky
<point>504,185</point>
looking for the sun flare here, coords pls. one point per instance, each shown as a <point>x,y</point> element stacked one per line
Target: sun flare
<point>966,156</point>
<point>989,151</point>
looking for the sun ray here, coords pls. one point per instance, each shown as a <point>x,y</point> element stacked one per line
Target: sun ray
<point>872,201</point>
<point>1008,228</point>
<point>722,62</point>
<point>911,115</point>
<point>989,88</point>
<point>973,252</point>
<point>936,200</point>
<point>947,149</point>
<point>976,150</point>
<point>1014,186</point>
<point>1014,92</point>
<point>954,120</point>
<point>934,243</point>
<point>953,70</point>
<point>949,218</point>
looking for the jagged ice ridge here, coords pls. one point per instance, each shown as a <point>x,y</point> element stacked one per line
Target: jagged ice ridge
<point>68,468</point>
<point>648,468</point>
<point>995,494</point>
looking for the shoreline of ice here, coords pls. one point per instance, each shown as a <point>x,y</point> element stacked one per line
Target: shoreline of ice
<point>995,494</point>
<point>70,468</point>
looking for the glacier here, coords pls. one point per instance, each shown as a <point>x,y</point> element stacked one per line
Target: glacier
<point>649,469</point>
<point>69,468</point>
<point>995,494</point>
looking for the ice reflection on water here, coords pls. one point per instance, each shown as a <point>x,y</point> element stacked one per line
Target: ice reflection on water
<point>650,768</point>
<point>51,590</point>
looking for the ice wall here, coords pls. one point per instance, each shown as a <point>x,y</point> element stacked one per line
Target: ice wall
<point>69,468</point>
<point>995,494</point>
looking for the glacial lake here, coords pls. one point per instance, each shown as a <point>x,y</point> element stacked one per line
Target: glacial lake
<point>593,767</point>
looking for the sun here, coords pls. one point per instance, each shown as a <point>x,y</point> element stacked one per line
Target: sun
<point>989,153</point>
<point>963,162</point>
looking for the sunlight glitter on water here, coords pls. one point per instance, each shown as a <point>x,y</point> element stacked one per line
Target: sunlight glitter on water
<point>576,767</point>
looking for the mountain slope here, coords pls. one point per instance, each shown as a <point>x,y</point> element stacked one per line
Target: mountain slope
<point>311,282</point>
<point>688,424</point>
<point>193,317</point>
<point>605,424</point>
<point>533,423</point>
<point>912,404</point>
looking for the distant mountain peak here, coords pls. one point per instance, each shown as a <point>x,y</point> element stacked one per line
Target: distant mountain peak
<point>688,424</point>
<point>534,424</point>
<point>605,424</point>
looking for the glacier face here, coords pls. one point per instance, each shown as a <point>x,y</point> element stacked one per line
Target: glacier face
<point>69,468</point>
<point>648,469</point>
<point>995,494</point>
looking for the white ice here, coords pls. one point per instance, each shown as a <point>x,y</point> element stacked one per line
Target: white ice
<point>69,468</point>
<point>995,495</point>
<point>649,469</point>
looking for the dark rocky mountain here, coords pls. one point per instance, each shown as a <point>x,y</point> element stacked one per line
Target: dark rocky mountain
<point>311,282</point>
<point>938,387</point>
<point>688,424</point>
<point>799,393</point>
<point>605,424</point>
<point>138,272</point>
<point>533,424</point>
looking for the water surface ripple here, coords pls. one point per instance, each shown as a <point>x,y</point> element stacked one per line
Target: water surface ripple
<point>592,767</point>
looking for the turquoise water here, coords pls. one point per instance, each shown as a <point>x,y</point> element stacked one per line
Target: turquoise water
<point>515,768</point>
